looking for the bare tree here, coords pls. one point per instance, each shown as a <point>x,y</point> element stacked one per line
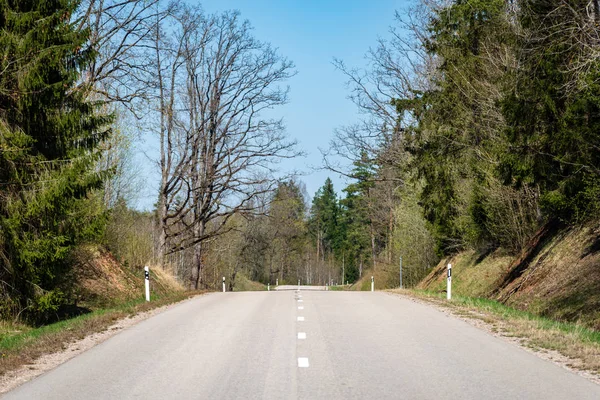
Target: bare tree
<point>121,32</point>
<point>172,33</point>
<point>398,67</point>
<point>217,86</point>
<point>234,80</point>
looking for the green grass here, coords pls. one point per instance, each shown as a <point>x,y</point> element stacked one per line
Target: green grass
<point>243,284</point>
<point>470,276</point>
<point>23,334</point>
<point>339,288</point>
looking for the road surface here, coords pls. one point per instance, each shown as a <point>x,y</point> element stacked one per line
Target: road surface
<point>306,345</point>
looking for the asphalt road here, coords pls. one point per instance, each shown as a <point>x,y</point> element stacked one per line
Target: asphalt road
<point>355,346</point>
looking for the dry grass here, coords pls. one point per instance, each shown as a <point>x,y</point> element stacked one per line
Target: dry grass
<point>21,345</point>
<point>166,279</point>
<point>560,282</point>
<point>383,280</point>
<point>577,343</point>
<point>472,275</point>
<point>243,284</point>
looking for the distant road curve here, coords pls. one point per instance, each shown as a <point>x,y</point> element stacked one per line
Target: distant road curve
<point>302,287</point>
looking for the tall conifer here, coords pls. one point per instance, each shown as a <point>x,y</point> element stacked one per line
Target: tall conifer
<point>49,137</point>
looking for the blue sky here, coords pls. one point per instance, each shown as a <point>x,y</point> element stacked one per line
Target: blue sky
<point>311,33</point>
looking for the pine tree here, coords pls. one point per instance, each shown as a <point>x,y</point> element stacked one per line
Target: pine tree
<point>49,137</point>
<point>324,218</point>
<point>355,222</point>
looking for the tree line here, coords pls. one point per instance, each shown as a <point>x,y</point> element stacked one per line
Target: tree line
<point>80,81</point>
<point>479,129</point>
<point>488,111</point>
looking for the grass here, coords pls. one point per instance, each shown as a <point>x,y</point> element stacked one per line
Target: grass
<point>579,343</point>
<point>385,276</point>
<point>471,276</point>
<point>21,344</point>
<point>243,284</point>
<point>339,288</point>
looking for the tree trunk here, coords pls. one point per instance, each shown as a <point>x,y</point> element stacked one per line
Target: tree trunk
<point>373,246</point>
<point>343,269</point>
<point>196,272</point>
<point>162,230</point>
<point>360,267</point>
<point>318,244</point>
<point>390,234</point>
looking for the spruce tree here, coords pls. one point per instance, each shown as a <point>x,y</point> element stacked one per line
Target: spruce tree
<point>324,217</point>
<point>553,115</point>
<point>49,137</point>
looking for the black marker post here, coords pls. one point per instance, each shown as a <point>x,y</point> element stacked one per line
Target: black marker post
<point>449,283</point>
<point>147,282</point>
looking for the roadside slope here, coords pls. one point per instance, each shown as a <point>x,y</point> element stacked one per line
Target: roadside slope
<point>558,278</point>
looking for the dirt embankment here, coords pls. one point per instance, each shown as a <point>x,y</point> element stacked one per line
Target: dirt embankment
<point>102,281</point>
<point>557,276</point>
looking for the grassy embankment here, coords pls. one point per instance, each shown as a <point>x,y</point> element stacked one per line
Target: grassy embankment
<point>559,279</point>
<point>549,296</point>
<point>243,284</point>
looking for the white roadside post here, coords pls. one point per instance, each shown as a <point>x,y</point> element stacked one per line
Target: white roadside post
<point>277,282</point>
<point>400,272</point>
<point>147,282</point>
<point>372,284</point>
<point>326,287</point>
<point>449,283</point>
<point>298,284</point>
<point>223,284</point>
<point>268,287</point>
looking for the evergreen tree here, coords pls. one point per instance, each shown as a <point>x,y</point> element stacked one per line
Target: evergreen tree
<point>324,218</point>
<point>458,121</point>
<point>354,225</point>
<point>554,116</point>
<point>49,136</point>
<point>287,228</point>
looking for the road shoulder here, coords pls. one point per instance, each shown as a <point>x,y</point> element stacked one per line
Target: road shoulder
<point>522,333</point>
<point>13,378</point>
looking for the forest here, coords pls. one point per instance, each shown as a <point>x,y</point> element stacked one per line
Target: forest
<point>478,126</point>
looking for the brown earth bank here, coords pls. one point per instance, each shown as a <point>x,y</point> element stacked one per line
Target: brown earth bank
<point>557,276</point>
<point>102,281</point>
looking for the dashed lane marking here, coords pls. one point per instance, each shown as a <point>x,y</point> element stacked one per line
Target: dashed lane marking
<point>300,308</point>
<point>303,362</point>
<point>300,318</point>
<point>301,335</point>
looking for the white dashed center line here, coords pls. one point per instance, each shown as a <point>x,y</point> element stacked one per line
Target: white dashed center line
<point>300,300</point>
<point>302,362</point>
<point>301,335</point>
<point>300,318</point>
<point>300,308</point>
